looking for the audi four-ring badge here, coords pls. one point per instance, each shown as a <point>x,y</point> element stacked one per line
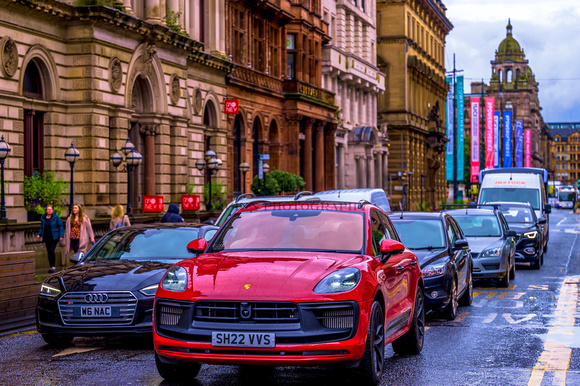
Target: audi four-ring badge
<point>111,291</point>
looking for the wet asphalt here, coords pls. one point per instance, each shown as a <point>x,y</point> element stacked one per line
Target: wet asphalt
<point>527,334</point>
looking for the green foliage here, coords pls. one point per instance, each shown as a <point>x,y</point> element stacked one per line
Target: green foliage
<point>190,187</point>
<point>272,187</point>
<point>44,189</point>
<point>172,20</point>
<point>577,206</point>
<point>218,195</point>
<point>424,206</point>
<point>287,182</point>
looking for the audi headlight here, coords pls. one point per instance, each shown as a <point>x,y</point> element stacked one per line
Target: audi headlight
<point>47,290</point>
<point>150,290</point>
<point>434,270</point>
<point>175,279</point>
<point>491,252</point>
<point>531,235</point>
<point>340,281</point>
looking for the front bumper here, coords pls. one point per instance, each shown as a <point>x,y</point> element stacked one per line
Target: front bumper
<point>437,295</point>
<point>527,250</point>
<point>489,267</point>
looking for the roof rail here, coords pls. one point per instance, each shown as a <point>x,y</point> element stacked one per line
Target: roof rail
<point>468,206</point>
<point>303,193</point>
<point>362,202</point>
<point>245,195</point>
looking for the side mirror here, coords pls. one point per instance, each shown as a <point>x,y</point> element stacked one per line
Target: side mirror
<point>461,244</point>
<point>511,233</point>
<point>548,208</point>
<point>77,257</point>
<point>389,248</point>
<point>208,222</point>
<point>542,220</point>
<point>197,246</point>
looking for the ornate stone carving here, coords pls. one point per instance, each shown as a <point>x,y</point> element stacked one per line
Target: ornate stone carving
<point>9,56</point>
<point>116,74</point>
<point>197,101</point>
<point>175,92</point>
<point>149,129</point>
<point>146,65</point>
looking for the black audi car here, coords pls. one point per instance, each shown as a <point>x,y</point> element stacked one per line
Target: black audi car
<point>445,259</point>
<point>110,291</point>
<point>521,218</point>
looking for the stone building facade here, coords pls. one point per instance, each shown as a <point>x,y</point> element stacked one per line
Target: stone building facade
<point>410,47</point>
<point>350,71</point>
<point>96,76</point>
<point>565,151</point>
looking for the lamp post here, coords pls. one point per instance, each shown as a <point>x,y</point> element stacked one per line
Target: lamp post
<point>422,185</point>
<point>210,164</point>
<point>4,152</point>
<point>265,169</point>
<point>133,159</point>
<point>244,167</point>
<point>71,155</point>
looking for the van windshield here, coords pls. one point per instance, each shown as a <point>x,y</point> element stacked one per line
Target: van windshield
<point>531,196</point>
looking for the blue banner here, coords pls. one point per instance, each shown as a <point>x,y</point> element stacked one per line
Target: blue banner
<point>460,130</point>
<point>507,139</point>
<point>496,139</point>
<point>519,144</point>
<point>450,132</point>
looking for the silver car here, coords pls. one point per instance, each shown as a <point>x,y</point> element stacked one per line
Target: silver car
<point>493,245</point>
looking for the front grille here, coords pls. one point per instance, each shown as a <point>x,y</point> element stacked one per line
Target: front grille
<point>234,312</point>
<point>122,303</point>
<point>491,267</point>
<point>337,316</point>
<point>170,315</point>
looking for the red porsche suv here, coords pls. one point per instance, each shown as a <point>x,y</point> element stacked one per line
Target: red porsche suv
<point>292,283</point>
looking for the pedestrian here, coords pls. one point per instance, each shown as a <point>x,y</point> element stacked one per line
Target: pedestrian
<point>51,231</point>
<point>118,220</point>
<point>172,214</point>
<point>78,231</point>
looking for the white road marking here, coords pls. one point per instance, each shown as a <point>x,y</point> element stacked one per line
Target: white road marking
<point>510,319</point>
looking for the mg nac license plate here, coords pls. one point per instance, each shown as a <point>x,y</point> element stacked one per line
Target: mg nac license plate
<point>96,312</point>
<point>243,339</point>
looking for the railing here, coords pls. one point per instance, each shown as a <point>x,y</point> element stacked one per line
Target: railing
<point>257,78</point>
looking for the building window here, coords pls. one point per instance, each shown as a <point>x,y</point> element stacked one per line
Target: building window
<point>239,36</point>
<point>273,51</point>
<point>291,56</point>
<point>258,45</point>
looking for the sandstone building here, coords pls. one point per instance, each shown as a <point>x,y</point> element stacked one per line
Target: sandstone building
<point>565,151</point>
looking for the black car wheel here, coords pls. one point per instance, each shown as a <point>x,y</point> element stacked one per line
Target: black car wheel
<point>58,340</point>
<point>505,281</point>
<point>467,297</point>
<point>412,341</point>
<point>180,372</point>
<point>513,270</point>
<point>451,308</point>
<point>373,360</point>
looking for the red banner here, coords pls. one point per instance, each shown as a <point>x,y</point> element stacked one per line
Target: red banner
<point>475,106</point>
<point>528,148</point>
<point>190,202</point>
<point>489,149</point>
<point>152,204</point>
<point>231,106</point>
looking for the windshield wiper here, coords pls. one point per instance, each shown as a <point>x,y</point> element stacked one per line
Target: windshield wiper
<point>429,247</point>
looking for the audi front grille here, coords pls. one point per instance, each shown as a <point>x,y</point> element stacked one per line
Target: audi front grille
<point>122,303</point>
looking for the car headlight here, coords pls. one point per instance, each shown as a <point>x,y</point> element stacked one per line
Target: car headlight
<point>47,290</point>
<point>434,270</point>
<point>491,252</point>
<point>340,281</point>
<point>175,279</point>
<point>150,290</point>
<point>531,235</point>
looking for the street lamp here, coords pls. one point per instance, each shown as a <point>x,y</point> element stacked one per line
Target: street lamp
<point>244,167</point>
<point>209,165</point>
<point>265,169</point>
<point>4,152</point>
<point>71,155</point>
<point>133,159</point>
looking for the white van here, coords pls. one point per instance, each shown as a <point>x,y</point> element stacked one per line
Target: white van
<point>517,185</point>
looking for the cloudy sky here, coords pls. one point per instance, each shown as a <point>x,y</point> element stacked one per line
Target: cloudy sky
<point>549,33</point>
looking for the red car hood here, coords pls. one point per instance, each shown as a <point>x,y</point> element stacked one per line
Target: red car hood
<point>263,275</point>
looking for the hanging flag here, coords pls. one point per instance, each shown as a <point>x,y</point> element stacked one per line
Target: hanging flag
<point>528,148</point>
<point>519,144</point>
<point>449,115</point>
<point>507,139</point>
<point>460,129</point>
<point>489,126</point>
<point>474,139</point>
<point>496,139</point>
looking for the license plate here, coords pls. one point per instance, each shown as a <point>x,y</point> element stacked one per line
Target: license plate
<point>243,339</point>
<point>96,312</point>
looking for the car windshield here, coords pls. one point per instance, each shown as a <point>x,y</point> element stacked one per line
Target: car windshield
<point>430,231</point>
<point>566,196</point>
<point>518,215</point>
<point>143,245</point>
<point>292,229</point>
<point>478,226</point>
<point>227,213</point>
<point>530,196</point>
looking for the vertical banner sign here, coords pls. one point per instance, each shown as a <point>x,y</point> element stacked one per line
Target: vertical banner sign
<point>507,139</point>
<point>460,129</point>
<point>519,144</point>
<point>496,140</point>
<point>449,155</point>
<point>489,126</point>
<point>528,148</point>
<point>474,139</point>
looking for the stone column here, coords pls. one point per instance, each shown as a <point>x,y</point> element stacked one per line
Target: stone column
<point>340,167</point>
<point>153,10</point>
<point>319,156</point>
<point>292,159</point>
<point>385,171</point>
<point>149,157</point>
<point>128,8</point>
<point>307,162</point>
<point>359,171</point>
<point>330,156</point>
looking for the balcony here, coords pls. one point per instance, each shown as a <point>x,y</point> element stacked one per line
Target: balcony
<point>307,90</point>
<point>256,78</point>
<point>350,68</point>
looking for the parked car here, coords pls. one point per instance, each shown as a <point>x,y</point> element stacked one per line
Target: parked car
<point>292,283</point>
<point>376,197</point>
<point>529,238</point>
<point>492,243</point>
<point>444,257</point>
<point>110,291</point>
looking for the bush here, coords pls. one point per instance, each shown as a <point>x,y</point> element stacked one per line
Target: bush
<point>288,182</point>
<point>218,195</point>
<point>577,205</point>
<point>44,189</point>
<point>424,206</point>
<point>272,187</point>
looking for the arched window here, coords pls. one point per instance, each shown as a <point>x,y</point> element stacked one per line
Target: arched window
<point>509,74</point>
<point>501,75</point>
<point>256,144</point>
<point>237,154</point>
<point>32,86</point>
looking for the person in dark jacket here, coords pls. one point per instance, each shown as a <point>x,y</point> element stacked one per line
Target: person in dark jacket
<point>51,231</point>
<point>172,214</point>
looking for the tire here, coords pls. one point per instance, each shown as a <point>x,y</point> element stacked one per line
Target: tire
<point>412,341</point>
<point>467,297</point>
<point>180,372</point>
<point>513,271</point>
<point>536,264</point>
<point>542,260</point>
<point>505,281</point>
<point>450,310</point>
<point>372,364</point>
<point>58,340</point>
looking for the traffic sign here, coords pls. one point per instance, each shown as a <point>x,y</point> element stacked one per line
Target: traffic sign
<point>264,156</point>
